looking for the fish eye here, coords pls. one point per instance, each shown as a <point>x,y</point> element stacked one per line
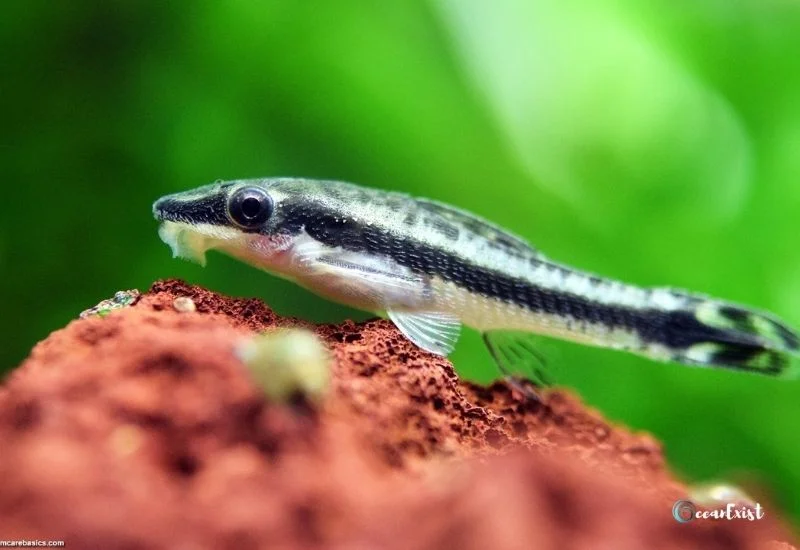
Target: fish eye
<point>250,207</point>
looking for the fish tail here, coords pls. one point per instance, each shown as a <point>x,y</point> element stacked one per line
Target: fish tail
<point>720,334</point>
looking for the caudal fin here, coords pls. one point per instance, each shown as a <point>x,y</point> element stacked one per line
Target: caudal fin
<point>727,335</point>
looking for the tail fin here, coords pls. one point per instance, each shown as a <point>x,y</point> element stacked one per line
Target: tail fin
<point>731,336</point>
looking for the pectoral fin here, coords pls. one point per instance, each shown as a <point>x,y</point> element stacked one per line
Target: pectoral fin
<point>373,283</point>
<point>432,331</point>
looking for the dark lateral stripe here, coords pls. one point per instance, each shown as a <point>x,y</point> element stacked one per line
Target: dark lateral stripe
<point>674,329</point>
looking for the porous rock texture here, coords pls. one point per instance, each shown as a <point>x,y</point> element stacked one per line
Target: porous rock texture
<point>142,429</point>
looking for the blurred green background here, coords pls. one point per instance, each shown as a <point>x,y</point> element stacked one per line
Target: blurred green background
<point>657,142</point>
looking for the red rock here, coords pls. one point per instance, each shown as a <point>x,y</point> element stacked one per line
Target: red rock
<point>143,430</point>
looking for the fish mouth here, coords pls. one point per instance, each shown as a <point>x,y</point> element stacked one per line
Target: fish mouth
<point>195,221</point>
<point>178,230</point>
<point>184,241</point>
<point>191,241</point>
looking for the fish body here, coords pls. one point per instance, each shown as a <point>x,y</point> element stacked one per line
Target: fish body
<point>431,267</point>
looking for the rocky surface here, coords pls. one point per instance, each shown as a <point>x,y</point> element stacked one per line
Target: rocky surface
<point>142,429</point>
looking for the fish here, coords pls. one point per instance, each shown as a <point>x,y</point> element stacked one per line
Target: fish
<point>432,268</point>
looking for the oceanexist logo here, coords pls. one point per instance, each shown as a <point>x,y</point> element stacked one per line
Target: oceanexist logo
<point>685,511</point>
